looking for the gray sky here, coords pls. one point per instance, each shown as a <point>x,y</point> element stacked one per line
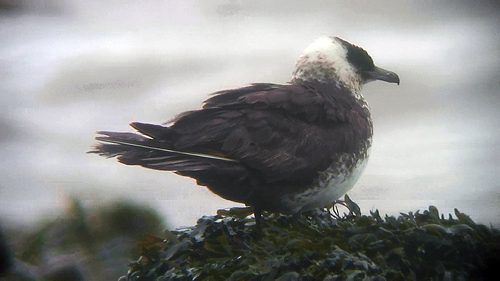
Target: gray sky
<point>69,68</point>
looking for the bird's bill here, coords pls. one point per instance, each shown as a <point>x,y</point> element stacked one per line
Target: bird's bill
<point>383,75</point>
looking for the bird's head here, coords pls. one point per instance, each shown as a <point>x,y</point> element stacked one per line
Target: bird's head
<point>331,60</point>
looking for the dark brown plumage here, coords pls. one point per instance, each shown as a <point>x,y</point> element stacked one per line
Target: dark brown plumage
<point>284,148</point>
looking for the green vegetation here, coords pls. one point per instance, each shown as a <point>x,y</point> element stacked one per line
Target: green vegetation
<point>316,246</point>
<point>98,244</point>
<point>95,244</point>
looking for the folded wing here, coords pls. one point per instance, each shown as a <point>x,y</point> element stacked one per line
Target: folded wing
<point>256,135</point>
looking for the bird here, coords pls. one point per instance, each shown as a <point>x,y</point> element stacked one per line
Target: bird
<point>285,148</point>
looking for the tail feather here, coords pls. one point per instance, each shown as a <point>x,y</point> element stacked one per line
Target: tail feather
<point>150,151</point>
<point>153,147</point>
<point>109,143</point>
<point>151,130</point>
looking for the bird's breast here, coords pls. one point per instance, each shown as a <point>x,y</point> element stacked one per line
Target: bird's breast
<point>331,184</point>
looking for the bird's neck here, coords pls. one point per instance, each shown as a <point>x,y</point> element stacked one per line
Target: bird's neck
<point>353,86</point>
<point>324,72</point>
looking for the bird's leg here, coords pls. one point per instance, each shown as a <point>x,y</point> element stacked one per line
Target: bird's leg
<point>258,218</point>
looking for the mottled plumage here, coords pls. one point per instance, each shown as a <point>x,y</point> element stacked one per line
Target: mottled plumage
<point>284,148</point>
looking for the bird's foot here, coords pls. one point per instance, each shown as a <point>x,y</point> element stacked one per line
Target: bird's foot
<point>241,214</point>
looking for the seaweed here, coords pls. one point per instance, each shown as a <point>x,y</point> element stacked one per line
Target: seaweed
<point>321,245</point>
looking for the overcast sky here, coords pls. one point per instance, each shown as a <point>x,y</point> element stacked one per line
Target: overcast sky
<point>70,68</point>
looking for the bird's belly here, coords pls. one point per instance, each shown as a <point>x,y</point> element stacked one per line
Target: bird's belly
<point>332,183</point>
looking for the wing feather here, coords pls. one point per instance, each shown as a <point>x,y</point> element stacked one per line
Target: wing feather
<point>264,138</point>
<point>287,132</point>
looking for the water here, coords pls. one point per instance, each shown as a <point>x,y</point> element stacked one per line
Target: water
<point>69,68</point>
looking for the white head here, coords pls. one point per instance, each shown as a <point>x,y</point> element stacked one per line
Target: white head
<point>332,60</point>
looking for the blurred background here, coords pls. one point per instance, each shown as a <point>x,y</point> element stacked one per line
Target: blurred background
<point>70,68</point>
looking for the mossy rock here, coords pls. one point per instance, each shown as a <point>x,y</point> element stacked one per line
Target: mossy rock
<point>317,246</point>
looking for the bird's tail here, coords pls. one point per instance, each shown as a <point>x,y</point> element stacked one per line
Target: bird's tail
<point>152,149</point>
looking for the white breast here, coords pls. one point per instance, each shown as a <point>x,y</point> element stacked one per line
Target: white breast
<point>333,183</point>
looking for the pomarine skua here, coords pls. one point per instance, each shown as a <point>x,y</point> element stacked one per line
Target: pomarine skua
<point>282,148</point>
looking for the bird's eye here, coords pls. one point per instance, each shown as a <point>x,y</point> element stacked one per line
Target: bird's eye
<point>359,58</point>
